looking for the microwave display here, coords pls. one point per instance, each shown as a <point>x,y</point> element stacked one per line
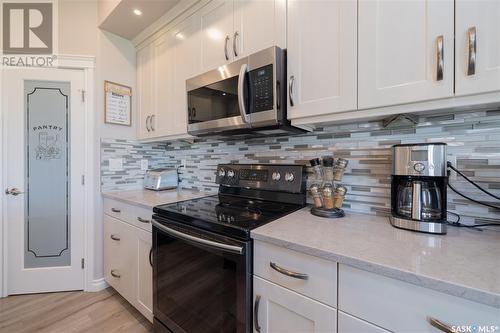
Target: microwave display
<point>261,89</point>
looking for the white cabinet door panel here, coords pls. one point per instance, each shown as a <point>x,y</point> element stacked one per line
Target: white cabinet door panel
<point>217,30</point>
<point>161,123</point>
<point>144,285</point>
<point>280,310</point>
<point>484,17</point>
<point>187,64</point>
<point>322,51</point>
<point>145,84</point>
<point>258,24</point>
<point>398,51</point>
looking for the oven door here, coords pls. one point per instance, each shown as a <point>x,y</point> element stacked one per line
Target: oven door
<point>202,281</point>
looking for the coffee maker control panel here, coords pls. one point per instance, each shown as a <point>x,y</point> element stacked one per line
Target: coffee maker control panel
<point>419,160</point>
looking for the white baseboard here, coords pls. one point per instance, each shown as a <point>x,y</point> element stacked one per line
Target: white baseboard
<point>97,285</point>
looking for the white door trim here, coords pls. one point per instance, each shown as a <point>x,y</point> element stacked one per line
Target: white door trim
<point>87,65</point>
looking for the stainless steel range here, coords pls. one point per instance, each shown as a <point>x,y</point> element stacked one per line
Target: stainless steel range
<point>202,251</point>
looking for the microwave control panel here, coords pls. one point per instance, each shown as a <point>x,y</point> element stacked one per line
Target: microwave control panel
<point>262,88</point>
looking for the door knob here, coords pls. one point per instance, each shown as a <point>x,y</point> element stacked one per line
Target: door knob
<point>13,191</point>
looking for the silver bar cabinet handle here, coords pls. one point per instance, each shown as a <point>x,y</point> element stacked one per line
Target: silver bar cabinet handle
<point>13,191</point>
<point>440,325</point>
<point>235,47</point>
<point>115,238</point>
<point>140,219</point>
<point>147,123</point>
<point>290,90</point>
<point>115,210</point>
<point>151,123</point>
<point>286,272</point>
<point>115,274</point>
<point>440,58</point>
<point>472,46</point>
<point>256,313</point>
<point>225,47</point>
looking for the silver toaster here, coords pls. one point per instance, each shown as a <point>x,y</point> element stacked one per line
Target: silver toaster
<point>161,179</point>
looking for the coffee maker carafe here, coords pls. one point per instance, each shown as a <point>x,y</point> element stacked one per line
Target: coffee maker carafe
<point>418,187</point>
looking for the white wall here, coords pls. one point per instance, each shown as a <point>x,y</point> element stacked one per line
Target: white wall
<point>115,61</point>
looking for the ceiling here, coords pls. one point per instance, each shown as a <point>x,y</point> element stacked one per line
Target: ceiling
<point>123,22</point>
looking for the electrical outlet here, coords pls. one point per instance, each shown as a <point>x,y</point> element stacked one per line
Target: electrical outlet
<point>115,164</point>
<point>144,165</point>
<point>453,161</point>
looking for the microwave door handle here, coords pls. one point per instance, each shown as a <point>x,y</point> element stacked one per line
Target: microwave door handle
<point>186,237</point>
<point>241,96</point>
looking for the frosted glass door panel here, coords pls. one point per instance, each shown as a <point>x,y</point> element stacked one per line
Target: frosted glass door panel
<point>47,223</point>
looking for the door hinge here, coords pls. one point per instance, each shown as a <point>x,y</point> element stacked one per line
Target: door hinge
<point>83,95</point>
<point>83,263</point>
<point>83,179</point>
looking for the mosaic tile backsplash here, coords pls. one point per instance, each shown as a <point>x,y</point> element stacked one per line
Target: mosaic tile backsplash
<point>473,140</point>
<point>131,153</point>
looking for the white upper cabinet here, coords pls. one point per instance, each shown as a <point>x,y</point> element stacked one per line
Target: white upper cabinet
<point>235,28</point>
<point>322,51</point>
<point>145,83</point>
<point>258,24</point>
<point>405,51</point>
<point>187,64</point>
<point>217,30</point>
<point>477,46</point>
<point>161,120</point>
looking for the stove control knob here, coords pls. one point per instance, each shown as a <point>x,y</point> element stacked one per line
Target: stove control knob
<point>222,173</point>
<point>230,173</point>
<point>289,177</point>
<point>276,176</point>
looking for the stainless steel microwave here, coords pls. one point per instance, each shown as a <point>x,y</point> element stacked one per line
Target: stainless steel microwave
<point>247,95</point>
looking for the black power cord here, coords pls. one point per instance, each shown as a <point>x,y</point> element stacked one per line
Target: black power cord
<point>457,222</point>
<point>472,182</point>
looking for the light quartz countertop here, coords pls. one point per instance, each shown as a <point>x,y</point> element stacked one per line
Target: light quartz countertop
<point>149,199</point>
<point>463,263</point>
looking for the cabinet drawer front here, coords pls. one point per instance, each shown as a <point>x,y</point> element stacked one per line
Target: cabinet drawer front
<point>118,267</point>
<point>350,324</point>
<point>278,309</point>
<point>307,275</point>
<point>400,306</point>
<point>137,216</point>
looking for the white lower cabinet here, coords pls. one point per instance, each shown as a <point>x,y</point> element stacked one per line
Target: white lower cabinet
<point>403,307</point>
<point>144,285</point>
<point>280,310</point>
<point>127,265</point>
<point>350,324</point>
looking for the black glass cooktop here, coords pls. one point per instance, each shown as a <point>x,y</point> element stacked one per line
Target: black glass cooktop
<point>228,215</point>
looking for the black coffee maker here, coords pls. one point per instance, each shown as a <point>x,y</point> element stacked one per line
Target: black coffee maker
<point>418,187</point>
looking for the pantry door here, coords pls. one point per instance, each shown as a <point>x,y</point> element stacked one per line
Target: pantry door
<point>43,166</point>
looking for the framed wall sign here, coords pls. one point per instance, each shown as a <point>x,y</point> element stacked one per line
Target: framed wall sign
<point>117,104</point>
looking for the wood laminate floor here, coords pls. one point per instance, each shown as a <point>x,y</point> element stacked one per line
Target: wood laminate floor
<point>68,312</point>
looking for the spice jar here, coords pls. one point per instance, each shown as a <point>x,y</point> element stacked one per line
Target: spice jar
<point>315,188</point>
<point>340,167</point>
<point>338,196</point>
<point>328,186</point>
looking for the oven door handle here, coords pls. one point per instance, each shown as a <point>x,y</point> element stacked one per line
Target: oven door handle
<point>241,96</point>
<point>181,235</point>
